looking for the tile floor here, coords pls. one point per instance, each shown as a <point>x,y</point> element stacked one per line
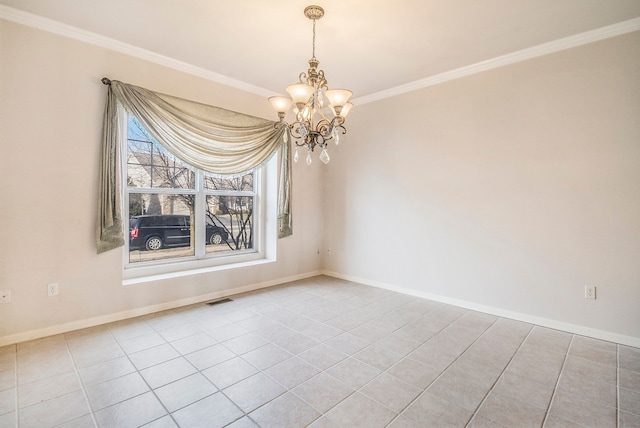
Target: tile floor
<point>322,353</point>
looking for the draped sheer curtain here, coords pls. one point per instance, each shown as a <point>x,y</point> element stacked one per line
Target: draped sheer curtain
<point>209,138</point>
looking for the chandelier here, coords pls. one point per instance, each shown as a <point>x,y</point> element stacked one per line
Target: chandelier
<point>312,127</point>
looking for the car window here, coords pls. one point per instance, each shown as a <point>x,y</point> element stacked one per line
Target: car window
<point>152,221</point>
<point>173,221</point>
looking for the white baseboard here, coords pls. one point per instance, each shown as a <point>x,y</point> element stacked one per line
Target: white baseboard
<point>518,316</point>
<point>132,313</point>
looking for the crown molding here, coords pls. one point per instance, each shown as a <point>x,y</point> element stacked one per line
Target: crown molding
<point>52,26</point>
<point>587,37</point>
<point>39,22</point>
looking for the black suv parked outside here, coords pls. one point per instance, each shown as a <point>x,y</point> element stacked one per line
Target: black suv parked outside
<point>153,232</point>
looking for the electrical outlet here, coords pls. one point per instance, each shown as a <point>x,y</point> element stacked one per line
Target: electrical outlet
<point>52,289</point>
<point>590,292</point>
<point>5,296</point>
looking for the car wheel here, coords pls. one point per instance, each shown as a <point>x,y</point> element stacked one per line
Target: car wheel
<point>215,239</point>
<point>153,243</point>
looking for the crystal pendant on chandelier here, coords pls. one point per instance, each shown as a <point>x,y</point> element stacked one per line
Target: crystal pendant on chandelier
<point>324,156</point>
<point>295,155</point>
<point>336,136</point>
<point>309,160</point>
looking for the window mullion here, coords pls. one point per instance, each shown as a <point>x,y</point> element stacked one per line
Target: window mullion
<point>161,190</point>
<point>199,216</point>
<point>230,192</point>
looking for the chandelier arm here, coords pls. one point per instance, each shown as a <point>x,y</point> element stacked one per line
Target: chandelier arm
<point>298,130</point>
<point>323,117</point>
<point>322,81</point>
<point>319,140</point>
<point>333,125</point>
<point>299,138</point>
<point>338,123</point>
<point>324,128</point>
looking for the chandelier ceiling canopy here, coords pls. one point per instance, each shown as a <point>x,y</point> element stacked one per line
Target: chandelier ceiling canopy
<point>316,122</point>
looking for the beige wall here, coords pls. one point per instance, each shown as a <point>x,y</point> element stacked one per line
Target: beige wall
<point>51,109</point>
<point>509,190</point>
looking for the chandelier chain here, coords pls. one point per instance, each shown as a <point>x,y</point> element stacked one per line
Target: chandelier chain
<point>313,53</point>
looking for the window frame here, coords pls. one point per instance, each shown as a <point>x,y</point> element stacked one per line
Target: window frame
<point>264,224</point>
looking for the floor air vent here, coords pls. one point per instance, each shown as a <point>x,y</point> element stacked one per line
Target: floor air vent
<point>216,302</point>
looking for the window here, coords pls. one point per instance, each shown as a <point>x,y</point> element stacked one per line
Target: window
<point>181,218</point>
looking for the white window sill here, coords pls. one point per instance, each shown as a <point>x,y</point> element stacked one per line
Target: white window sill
<point>136,276</point>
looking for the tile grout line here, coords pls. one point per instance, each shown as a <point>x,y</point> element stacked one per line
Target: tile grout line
<point>424,390</point>
<point>82,386</point>
<point>555,388</point>
<point>15,380</point>
<point>475,412</point>
<point>198,371</point>
<point>617,385</point>
<point>279,322</point>
<point>321,371</point>
<point>170,414</point>
<point>220,390</point>
<point>140,374</point>
<point>246,414</point>
<point>181,355</point>
<point>323,414</point>
<point>448,366</point>
<point>358,390</point>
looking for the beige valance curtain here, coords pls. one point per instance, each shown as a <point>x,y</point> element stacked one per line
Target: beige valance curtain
<point>209,138</point>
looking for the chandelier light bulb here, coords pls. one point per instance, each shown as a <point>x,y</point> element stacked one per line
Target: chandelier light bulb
<point>341,111</point>
<point>338,97</point>
<point>346,109</point>
<point>280,104</point>
<point>300,92</point>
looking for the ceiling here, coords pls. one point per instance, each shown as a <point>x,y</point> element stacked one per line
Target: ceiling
<point>366,46</point>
